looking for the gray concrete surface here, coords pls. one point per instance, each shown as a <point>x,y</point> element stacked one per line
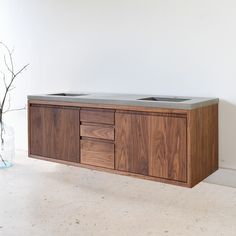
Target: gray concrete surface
<point>129,99</point>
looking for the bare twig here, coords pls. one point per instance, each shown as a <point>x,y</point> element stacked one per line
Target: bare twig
<point>16,109</point>
<point>2,129</point>
<point>10,58</point>
<point>11,88</point>
<point>8,87</point>
<point>9,103</point>
<point>9,65</point>
<point>9,69</point>
<point>23,68</point>
<point>3,160</point>
<point>4,78</point>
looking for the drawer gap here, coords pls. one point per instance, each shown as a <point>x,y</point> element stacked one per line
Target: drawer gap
<point>96,139</point>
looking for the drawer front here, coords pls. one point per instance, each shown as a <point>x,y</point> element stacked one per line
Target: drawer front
<point>101,116</point>
<point>100,132</point>
<point>97,153</point>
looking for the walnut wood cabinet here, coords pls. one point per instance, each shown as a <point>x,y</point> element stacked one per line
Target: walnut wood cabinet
<point>171,146</point>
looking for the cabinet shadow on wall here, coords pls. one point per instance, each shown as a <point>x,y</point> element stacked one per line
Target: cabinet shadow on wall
<point>227,135</point>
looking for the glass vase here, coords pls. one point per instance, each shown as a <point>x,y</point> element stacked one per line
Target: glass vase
<point>7,145</point>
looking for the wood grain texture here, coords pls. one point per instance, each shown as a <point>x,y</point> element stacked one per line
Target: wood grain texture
<point>131,143</point>
<point>97,131</point>
<point>48,129</point>
<point>54,132</point>
<point>168,148</point>
<point>202,143</point>
<point>36,130</point>
<point>100,116</point>
<point>97,153</point>
<point>151,145</point>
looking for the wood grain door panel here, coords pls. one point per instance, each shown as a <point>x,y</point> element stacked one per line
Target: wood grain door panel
<point>100,116</point>
<point>131,143</point>
<point>168,147</point>
<point>97,131</point>
<point>54,132</point>
<point>36,130</point>
<point>97,153</point>
<point>151,145</point>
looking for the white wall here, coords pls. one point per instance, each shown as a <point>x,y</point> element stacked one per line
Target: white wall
<point>176,47</point>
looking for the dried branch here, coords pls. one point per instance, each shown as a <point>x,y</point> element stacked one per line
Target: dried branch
<point>10,57</point>
<point>9,69</point>
<point>9,103</point>
<point>4,78</point>
<point>9,87</point>
<point>3,160</point>
<point>16,109</point>
<point>23,68</point>
<point>2,129</point>
<point>9,65</point>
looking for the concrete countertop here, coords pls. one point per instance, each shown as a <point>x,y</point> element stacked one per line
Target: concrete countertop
<point>129,100</point>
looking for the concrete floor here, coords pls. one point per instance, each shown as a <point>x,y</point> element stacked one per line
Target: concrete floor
<point>42,198</point>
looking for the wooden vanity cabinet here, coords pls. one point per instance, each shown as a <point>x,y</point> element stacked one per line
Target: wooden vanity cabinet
<point>171,146</point>
<point>54,132</point>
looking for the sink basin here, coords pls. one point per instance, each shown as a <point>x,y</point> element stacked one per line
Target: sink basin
<point>68,94</point>
<point>165,99</point>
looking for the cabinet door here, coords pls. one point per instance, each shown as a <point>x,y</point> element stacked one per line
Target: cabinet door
<point>54,132</point>
<point>131,143</point>
<point>151,145</point>
<point>168,147</point>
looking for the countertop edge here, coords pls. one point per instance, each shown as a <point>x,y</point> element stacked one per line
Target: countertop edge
<point>150,104</point>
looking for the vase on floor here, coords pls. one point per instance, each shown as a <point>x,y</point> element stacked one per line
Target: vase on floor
<point>7,145</point>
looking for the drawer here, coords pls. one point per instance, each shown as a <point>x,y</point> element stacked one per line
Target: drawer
<point>101,116</point>
<point>95,131</point>
<point>97,153</point>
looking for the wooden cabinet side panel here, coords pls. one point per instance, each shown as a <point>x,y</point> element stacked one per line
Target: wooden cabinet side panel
<point>202,143</point>
<point>168,148</point>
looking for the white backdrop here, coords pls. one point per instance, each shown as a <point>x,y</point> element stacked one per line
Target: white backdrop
<point>174,47</point>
